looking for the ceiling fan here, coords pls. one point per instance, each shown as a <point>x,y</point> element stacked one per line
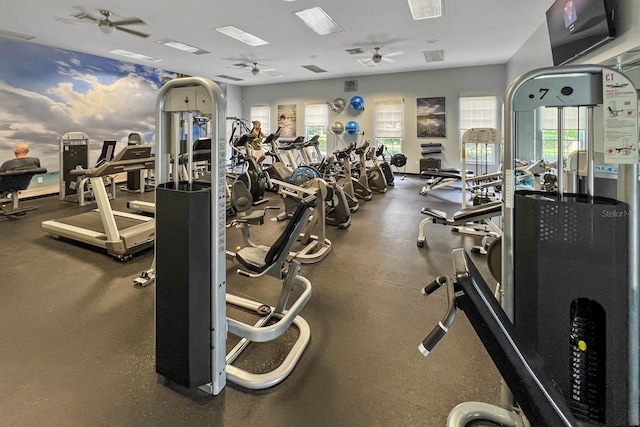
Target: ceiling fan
<point>254,69</point>
<point>107,26</point>
<point>377,57</point>
<point>375,60</point>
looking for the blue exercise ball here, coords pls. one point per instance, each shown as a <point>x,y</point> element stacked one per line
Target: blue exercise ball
<point>352,127</point>
<point>357,103</point>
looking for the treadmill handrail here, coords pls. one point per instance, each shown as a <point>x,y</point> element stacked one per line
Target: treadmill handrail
<point>144,160</point>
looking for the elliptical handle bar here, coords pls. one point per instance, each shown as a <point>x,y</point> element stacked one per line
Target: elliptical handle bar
<point>439,331</point>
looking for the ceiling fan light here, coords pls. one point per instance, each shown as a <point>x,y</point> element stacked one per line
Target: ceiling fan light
<point>106,27</point>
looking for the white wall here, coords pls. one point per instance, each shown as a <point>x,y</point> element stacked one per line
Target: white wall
<point>450,83</point>
<point>535,53</point>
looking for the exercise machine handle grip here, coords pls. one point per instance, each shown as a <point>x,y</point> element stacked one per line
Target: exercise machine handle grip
<point>443,326</point>
<point>435,285</point>
<point>432,339</point>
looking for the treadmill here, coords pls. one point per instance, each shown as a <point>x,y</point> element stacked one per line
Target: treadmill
<point>121,233</point>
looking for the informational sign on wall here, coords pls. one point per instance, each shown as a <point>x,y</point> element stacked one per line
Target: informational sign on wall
<point>620,106</point>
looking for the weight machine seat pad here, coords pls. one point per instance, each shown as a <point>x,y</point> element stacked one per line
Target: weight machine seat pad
<point>470,214</point>
<point>259,259</point>
<point>253,258</point>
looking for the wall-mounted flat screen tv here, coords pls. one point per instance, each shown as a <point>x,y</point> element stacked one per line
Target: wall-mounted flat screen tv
<point>577,27</point>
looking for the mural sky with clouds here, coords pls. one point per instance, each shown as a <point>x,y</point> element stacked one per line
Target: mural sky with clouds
<point>47,92</point>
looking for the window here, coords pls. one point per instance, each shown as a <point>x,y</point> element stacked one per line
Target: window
<point>479,112</point>
<point>575,124</point>
<point>316,117</point>
<point>389,124</point>
<point>262,114</point>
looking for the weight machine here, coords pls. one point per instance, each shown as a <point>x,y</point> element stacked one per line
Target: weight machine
<point>570,277</point>
<point>190,259</point>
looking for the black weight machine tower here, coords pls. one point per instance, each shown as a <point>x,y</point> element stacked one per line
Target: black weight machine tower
<point>190,258</point>
<point>570,271</point>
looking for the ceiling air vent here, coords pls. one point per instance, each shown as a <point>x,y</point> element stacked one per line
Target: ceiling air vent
<point>224,76</point>
<point>314,68</point>
<point>434,55</point>
<point>355,51</point>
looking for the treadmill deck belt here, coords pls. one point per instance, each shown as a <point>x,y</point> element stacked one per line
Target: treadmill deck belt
<point>91,221</point>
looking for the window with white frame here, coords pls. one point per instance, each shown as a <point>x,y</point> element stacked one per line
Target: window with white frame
<point>574,130</point>
<point>316,117</point>
<point>389,124</point>
<point>479,112</point>
<point>262,113</point>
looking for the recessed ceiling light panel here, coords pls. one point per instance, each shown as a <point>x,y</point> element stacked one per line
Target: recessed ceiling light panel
<point>319,21</point>
<point>134,55</point>
<point>424,9</point>
<point>182,46</point>
<point>241,35</point>
<point>13,35</point>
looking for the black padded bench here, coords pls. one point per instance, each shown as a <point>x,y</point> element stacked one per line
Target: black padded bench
<point>470,214</point>
<point>11,183</point>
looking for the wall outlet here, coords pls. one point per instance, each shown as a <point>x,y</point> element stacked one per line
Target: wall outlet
<point>40,180</point>
<point>416,162</point>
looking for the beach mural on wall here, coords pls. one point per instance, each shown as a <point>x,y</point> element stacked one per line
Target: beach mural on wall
<point>287,120</point>
<point>431,117</point>
<point>47,92</point>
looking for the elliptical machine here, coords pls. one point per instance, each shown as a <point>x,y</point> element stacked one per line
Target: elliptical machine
<point>361,186</point>
<point>384,166</point>
<point>375,176</point>
<point>251,173</point>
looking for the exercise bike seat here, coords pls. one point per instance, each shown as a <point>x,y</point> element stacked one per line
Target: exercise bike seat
<point>242,201</point>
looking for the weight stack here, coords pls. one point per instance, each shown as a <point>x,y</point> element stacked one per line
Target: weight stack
<point>571,290</point>
<point>183,283</point>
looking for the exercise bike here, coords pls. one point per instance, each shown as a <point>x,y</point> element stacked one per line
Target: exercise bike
<point>375,176</point>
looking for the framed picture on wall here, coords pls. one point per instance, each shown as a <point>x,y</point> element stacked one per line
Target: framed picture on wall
<point>287,120</point>
<point>431,117</point>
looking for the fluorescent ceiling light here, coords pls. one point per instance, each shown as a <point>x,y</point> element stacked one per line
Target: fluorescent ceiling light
<point>319,21</point>
<point>182,46</point>
<point>134,55</point>
<point>241,35</point>
<point>423,9</point>
<point>13,35</point>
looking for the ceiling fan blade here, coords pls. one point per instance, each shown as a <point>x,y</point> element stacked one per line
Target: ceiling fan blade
<point>131,21</point>
<point>85,17</point>
<point>133,32</point>
<point>396,53</point>
<point>385,59</point>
